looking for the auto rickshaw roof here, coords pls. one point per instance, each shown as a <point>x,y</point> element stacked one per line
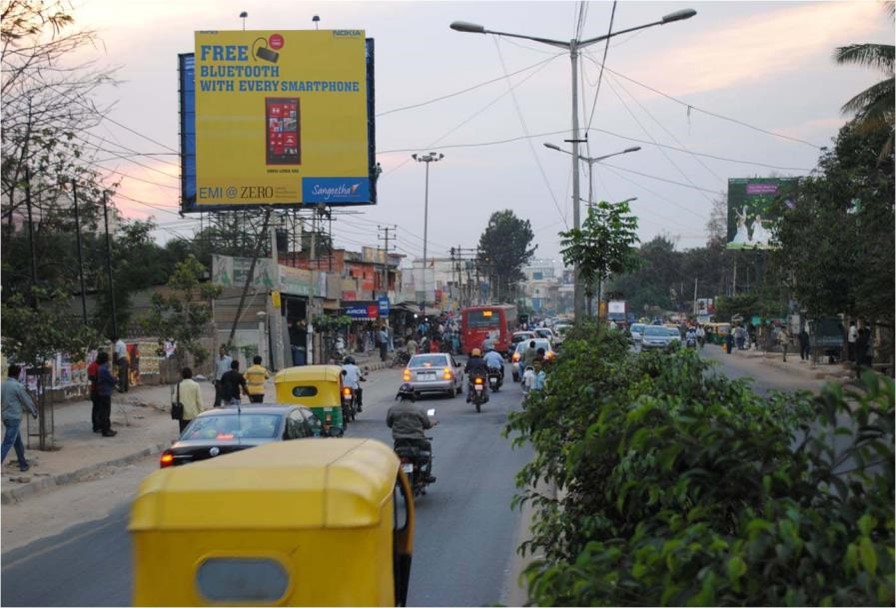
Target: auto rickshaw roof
<point>310,483</point>
<point>304,373</point>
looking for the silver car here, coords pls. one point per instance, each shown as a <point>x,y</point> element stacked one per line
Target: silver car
<point>434,373</point>
<point>637,331</point>
<point>657,336</point>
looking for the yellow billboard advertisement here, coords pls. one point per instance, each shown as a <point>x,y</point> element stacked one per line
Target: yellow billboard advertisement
<point>281,118</point>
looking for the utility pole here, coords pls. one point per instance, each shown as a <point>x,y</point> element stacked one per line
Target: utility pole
<point>695,296</point>
<point>386,229</point>
<point>428,159</point>
<point>277,318</point>
<point>109,263</point>
<point>80,255</point>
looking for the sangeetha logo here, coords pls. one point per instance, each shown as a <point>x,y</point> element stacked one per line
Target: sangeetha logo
<point>334,190</point>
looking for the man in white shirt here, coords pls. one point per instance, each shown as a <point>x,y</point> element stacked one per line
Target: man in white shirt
<point>851,337</point>
<point>222,366</point>
<point>121,360</point>
<point>352,378</point>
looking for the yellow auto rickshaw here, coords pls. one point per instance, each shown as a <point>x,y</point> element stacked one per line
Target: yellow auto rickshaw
<point>717,332</point>
<point>297,523</point>
<point>318,387</point>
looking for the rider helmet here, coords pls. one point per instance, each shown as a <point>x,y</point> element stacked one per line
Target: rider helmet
<point>406,391</point>
<point>476,353</point>
<point>348,360</point>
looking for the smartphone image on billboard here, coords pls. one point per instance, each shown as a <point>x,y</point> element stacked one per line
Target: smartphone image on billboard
<point>282,131</point>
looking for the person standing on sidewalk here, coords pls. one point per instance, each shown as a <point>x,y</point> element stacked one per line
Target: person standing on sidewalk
<point>222,366</point>
<point>190,396</point>
<point>784,339</point>
<point>231,383</point>
<point>804,342</point>
<point>851,338</point>
<point>105,386</point>
<point>383,341</point>
<point>121,360</point>
<point>14,399</point>
<point>255,377</point>
<point>93,372</point>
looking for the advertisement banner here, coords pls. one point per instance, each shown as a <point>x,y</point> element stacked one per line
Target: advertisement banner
<point>751,224</point>
<point>281,117</point>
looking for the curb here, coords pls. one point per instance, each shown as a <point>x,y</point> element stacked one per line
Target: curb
<point>18,494</point>
<point>817,374</point>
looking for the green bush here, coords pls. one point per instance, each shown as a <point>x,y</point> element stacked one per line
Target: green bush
<point>677,486</point>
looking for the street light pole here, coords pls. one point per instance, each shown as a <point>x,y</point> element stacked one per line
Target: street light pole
<point>591,161</point>
<point>432,157</point>
<point>573,47</point>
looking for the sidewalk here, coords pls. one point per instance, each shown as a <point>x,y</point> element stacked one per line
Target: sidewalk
<point>142,419</point>
<point>822,371</point>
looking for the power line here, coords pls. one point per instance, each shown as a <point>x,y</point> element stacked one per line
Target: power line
<point>467,90</point>
<point>646,189</point>
<point>519,114</point>
<point>601,74</point>
<point>480,144</point>
<point>704,111</point>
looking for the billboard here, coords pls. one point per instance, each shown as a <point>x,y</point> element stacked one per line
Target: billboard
<point>277,118</point>
<point>751,224</point>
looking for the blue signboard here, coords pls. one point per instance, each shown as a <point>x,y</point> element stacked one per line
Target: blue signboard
<point>383,301</point>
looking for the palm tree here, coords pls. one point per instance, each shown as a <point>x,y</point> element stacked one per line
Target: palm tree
<point>873,107</point>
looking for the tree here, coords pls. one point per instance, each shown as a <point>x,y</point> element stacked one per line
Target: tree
<point>184,314</point>
<point>504,250</point>
<point>603,245</point>
<point>873,107</point>
<point>33,335</point>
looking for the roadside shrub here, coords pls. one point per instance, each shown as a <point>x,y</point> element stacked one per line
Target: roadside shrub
<point>678,486</point>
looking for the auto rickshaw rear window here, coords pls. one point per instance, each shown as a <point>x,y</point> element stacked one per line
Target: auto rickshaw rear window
<point>304,391</point>
<point>237,579</point>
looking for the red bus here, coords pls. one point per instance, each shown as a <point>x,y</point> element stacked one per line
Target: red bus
<point>481,322</point>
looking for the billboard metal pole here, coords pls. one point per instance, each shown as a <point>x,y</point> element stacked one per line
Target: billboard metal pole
<point>277,320</point>
<point>251,273</point>
<point>80,255</point>
<point>109,263</point>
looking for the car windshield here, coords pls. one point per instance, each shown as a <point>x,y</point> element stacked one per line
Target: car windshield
<point>229,426</point>
<point>428,361</point>
<point>637,328</point>
<point>674,333</point>
<point>656,331</point>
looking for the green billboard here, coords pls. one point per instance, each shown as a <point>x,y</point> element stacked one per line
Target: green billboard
<point>751,222</point>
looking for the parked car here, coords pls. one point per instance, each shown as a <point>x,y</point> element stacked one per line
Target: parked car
<point>516,359</point>
<point>636,331</point>
<point>223,430</point>
<point>657,336</point>
<point>434,373</point>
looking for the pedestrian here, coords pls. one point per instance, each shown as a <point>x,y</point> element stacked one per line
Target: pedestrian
<point>851,337</point>
<point>255,377</point>
<point>105,386</point>
<point>751,335</point>
<point>231,384</point>
<point>862,340</point>
<point>15,400</point>
<point>93,371</point>
<point>222,366</point>
<point>383,341</point>
<point>729,342</point>
<point>784,340</point>
<point>411,345</point>
<point>804,341</point>
<point>740,336</point>
<point>434,345</point>
<point>701,336</point>
<point>122,361</point>
<point>190,396</point>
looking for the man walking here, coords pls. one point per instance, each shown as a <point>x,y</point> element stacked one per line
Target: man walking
<point>190,396</point>
<point>105,385</point>
<point>851,338</point>
<point>804,341</point>
<point>14,399</point>
<point>383,340</point>
<point>123,363</point>
<point>231,382</point>
<point>222,366</point>
<point>255,377</point>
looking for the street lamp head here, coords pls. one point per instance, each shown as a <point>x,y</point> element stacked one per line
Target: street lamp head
<point>553,147</point>
<point>244,14</point>
<point>686,13</point>
<point>414,156</point>
<point>634,149</point>
<point>465,26</point>
<point>441,156</point>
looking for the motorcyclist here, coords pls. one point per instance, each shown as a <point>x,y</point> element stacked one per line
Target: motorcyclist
<point>475,367</point>
<point>494,361</point>
<point>691,337</point>
<point>408,424</point>
<point>352,376</point>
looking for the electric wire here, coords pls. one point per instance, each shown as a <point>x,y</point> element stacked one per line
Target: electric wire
<point>601,74</point>
<point>468,89</point>
<point>613,170</point>
<point>522,119</point>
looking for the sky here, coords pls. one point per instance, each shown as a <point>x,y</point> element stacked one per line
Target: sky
<point>698,96</point>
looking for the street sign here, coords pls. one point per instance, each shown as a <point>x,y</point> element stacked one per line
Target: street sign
<point>383,302</point>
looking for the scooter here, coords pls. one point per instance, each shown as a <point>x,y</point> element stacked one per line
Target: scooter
<point>414,461</point>
<point>495,380</point>
<point>479,394</point>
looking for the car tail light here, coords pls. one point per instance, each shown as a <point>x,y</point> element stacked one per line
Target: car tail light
<point>225,436</point>
<point>447,374</point>
<point>406,376</point>
<point>166,460</point>
<point>478,380</point>
<point>516,357</point>
<point>346,392</point>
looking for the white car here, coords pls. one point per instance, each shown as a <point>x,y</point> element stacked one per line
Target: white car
<point>547,334</point>
<point>637,331</point>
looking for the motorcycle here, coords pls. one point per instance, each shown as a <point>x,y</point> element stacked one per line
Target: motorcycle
<point>495,380</point>
<point>348,404</point>
<point>415,461</point>
<point>479,394</point>
<point>691,342</point>
<point>400,358</point>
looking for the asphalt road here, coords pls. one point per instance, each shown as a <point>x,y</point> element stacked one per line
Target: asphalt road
<point>466,532</point>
